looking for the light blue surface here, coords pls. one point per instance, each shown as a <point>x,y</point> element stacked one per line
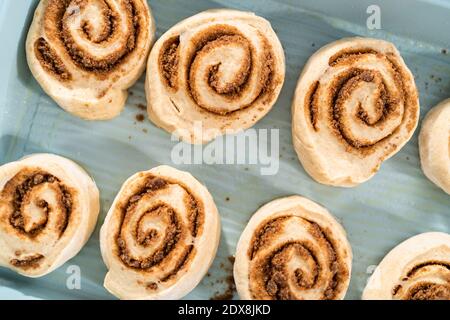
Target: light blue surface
<point>397,203</point>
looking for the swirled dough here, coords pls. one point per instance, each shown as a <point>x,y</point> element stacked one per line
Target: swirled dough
<point>416,269</point>
<point>356,104</point>
<point>48,210</point>
<point>292,249</point>
<point>434,144</point>
<point>160,235</point>
<point>217,72</point>
<point>85,54</point>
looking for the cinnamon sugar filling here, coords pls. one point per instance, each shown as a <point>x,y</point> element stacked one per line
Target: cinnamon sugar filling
<point>424,289</point>
<point>169,60</point>
<point>58,29</point>
<point>234,89</point>
<point>270,276</point>
<point>170,241</point>
<point>21,186</point>
<point>50,61</point>
<point>30,262</point>
<point>386,103</point>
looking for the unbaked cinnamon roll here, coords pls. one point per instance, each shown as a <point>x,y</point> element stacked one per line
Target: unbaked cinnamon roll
<point>48,210</point>
<point>223,69</point>
<point>160,235</point>
<point>434,145</point>
<point>86,53</point>
<point>416,269</point>
<point>292,249</point>
<point>356,104</point>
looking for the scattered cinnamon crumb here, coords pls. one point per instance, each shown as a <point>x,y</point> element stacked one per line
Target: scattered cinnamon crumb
<point>230,289</point>
<point>140,117</point>
<point>227,199</point>
<point>141,106</point>
<point>228,294</point>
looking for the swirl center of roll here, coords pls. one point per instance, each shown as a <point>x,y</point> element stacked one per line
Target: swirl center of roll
<point>97,35</point>
<point>160,224</point>
<point>293,258</point>
<point>225,68</point>
<point>360,98</point>
<point>37,201</point>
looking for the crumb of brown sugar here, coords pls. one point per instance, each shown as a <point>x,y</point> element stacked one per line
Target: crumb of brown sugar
<point>230,287</point>
<point>228,294</point>
<point>140,117</point>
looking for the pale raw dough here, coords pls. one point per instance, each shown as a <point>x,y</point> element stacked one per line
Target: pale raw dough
<point>356,104</point>
<point>418,268</point>
<point>217,72</point>
<point>298,238</point>
<point>153,210</point>
<point>434,144</point>
<point>91,81</point>
<point>45,235</point>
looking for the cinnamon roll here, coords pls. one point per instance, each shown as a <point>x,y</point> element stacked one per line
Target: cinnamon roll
<point>292,249</point>
<point>356,104</point>
<point>86,53</point>
<point>160,235</point>
<point>48,210</point>
<point>434,145</point>
<point>417,269</point>
<point>223,69</point>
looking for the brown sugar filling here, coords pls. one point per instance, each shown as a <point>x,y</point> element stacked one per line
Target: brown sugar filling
<point>50,60</point>
<point>343,54</point>
<point>342,88</point>
<point>173,230</point>
<point>31,262</point>
<point>169,60</point>
<point>21,184</point>
<point>276,279</point>
<point>219,35</point>
<point>311,101</point>
<point>57,14</point>
<point>429,291</point>
<point>424,290</point>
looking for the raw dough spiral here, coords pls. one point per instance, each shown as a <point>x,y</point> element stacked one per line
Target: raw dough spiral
<point>434,143</point>
<point>48,210</point>
<point>160,235</point>
<point>292,249</point>
<point>86,53</point>
<point>416,269</point>
<point>223,69</point>
<point>356,104</point>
